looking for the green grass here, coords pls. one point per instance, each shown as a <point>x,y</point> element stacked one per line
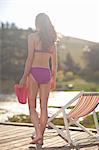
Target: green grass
<point>79,84</point>
<point>22,118</point>
<point>87,121</point>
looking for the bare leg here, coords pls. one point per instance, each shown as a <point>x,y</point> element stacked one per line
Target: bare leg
<point>44,93</point>
<point>33,90</point>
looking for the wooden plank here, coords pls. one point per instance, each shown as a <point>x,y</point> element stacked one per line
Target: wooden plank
<point>16,124</point>
<point>15,130</point>
<point>15,142</point>
<point>30,125</point>
<point>16,134</point>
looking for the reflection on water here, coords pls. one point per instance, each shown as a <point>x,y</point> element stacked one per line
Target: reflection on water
<point>10,106</point>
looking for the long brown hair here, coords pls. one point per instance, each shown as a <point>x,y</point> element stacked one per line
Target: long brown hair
<point>47,32</point>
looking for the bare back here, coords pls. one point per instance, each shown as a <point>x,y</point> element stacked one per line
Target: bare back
<point>40,57</point>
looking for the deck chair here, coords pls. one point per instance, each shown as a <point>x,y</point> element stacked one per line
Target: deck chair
<point>86,103</point>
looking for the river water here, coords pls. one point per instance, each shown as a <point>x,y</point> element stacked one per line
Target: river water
<point>10,106</point>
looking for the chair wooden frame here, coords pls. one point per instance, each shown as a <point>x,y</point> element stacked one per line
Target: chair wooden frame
<point>89,100</point>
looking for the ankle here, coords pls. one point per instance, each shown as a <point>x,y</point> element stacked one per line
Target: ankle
<point>38,132</point>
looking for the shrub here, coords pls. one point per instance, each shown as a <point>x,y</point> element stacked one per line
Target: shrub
<point>69,76</point>
<point>60,76</point>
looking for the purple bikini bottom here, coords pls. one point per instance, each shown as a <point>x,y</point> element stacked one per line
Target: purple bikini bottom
<point>41,75</point>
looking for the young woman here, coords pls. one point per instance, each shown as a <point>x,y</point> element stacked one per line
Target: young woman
<point>37,73</point>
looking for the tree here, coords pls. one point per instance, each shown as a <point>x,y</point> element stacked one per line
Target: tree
<point>7,25</point>
<point>2,25</point>
<point>92,58</point>
<point>69,63</point>
<point>13,26</point>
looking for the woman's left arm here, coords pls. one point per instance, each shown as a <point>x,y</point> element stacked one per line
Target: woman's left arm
<point>29,59</point>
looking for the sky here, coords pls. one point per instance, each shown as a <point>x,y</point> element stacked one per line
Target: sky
<point>74,18</point>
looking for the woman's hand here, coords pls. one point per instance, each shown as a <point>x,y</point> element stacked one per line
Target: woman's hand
<point>23,81</point>
<point>53,84</point>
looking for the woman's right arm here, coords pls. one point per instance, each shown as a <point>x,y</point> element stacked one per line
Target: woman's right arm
<point>54,67</point>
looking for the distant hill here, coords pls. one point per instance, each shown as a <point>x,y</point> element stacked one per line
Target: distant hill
<point>74,46</point>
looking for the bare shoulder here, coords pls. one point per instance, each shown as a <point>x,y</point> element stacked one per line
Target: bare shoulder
<point>32,36</point>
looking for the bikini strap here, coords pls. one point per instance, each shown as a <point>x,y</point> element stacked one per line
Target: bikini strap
<point>43,51</point>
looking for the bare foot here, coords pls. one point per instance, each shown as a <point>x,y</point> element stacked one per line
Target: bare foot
<point>40,141</point>
<point>36,139</point>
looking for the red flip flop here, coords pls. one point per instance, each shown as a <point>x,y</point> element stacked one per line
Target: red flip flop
<point>21,93</point>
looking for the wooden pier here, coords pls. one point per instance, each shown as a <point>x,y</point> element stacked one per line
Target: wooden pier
<point>16,136</point>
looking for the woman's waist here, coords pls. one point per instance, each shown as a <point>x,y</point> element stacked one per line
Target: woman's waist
<point>40,62</point>
<point>40,66</point>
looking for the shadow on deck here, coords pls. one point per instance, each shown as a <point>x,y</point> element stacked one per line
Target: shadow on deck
<point>16,136</point>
